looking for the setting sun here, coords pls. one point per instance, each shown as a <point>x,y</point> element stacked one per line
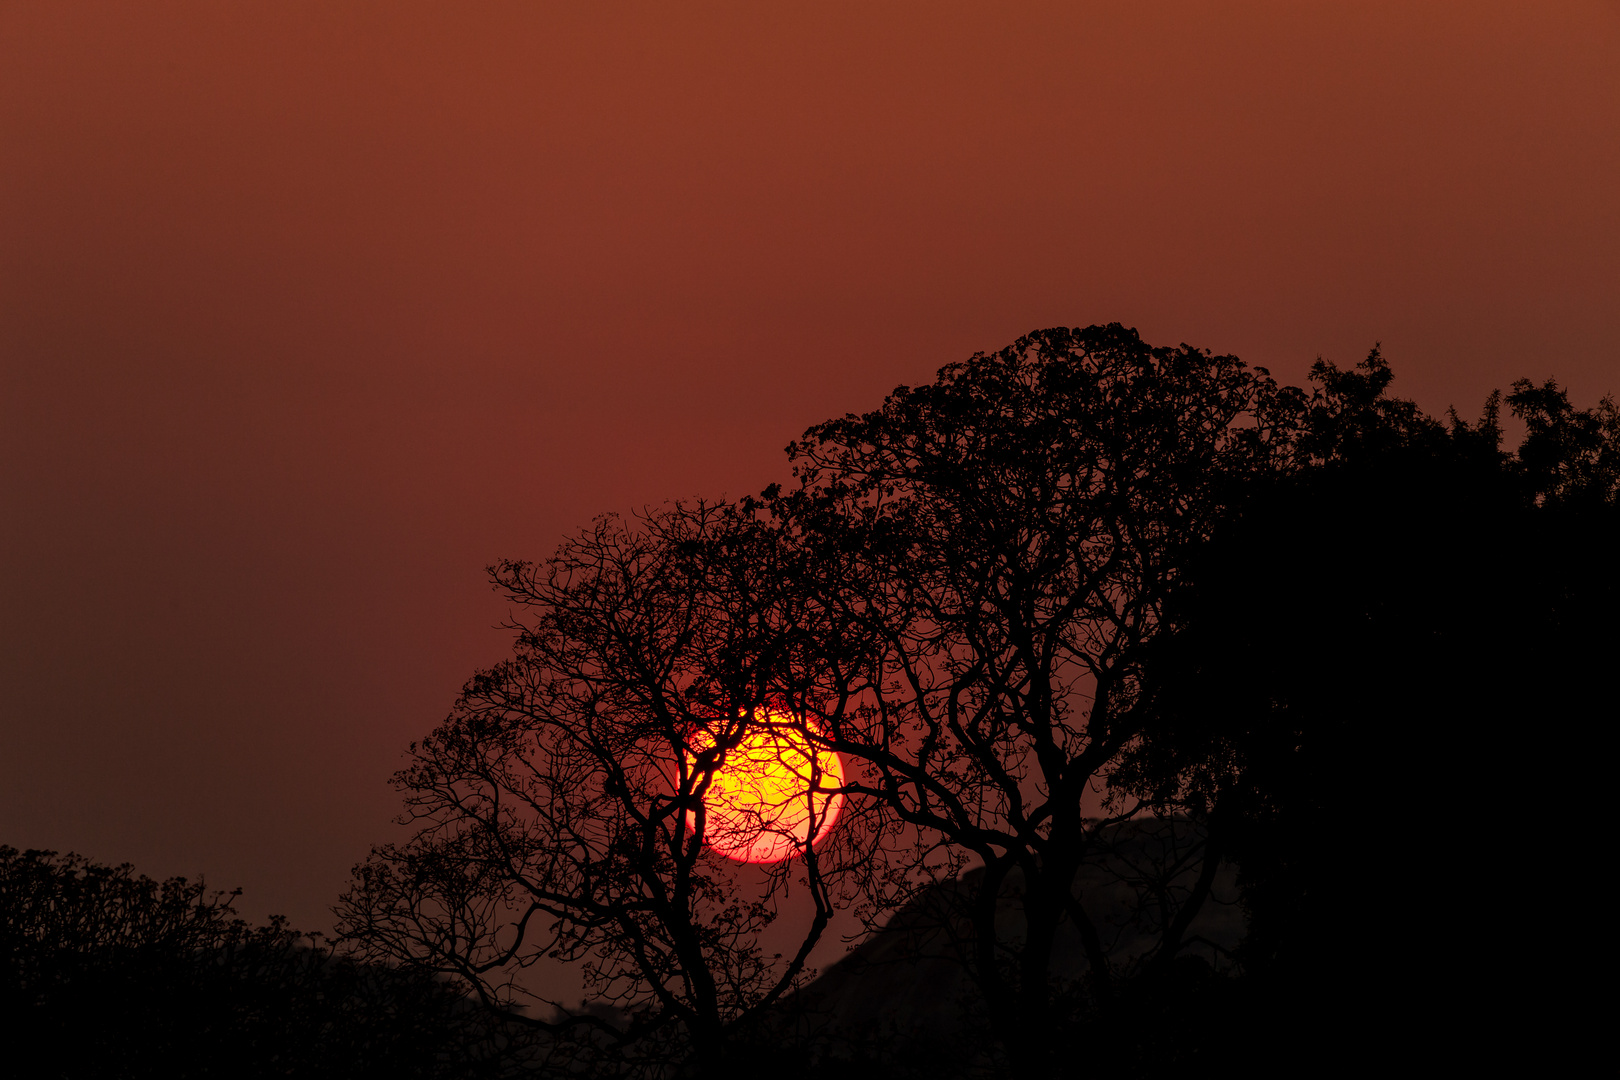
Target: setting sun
<point>772,795</point>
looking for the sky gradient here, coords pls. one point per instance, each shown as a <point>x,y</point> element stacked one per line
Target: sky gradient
<point>310,311</point>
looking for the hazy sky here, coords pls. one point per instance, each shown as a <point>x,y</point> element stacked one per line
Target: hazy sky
<point>309,311</point>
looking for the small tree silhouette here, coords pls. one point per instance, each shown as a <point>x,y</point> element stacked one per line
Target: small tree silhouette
<point>560,810</point>
<point>1570,457</point>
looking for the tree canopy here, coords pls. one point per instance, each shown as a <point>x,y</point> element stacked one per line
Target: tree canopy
<point>1071,594</point>
<point>1007,539</point>
<point>560,810</point>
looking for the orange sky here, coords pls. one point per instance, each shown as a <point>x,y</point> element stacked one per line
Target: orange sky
<point>309,311</point>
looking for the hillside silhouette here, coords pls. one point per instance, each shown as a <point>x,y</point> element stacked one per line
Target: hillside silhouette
<point>905,1000</point>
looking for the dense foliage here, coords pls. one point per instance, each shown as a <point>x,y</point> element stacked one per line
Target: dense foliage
<point>1389,673</point>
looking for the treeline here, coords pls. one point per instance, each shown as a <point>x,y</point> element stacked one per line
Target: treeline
<point>1345,659</point>
<point>107,973</point>
<point>1071,584</point>
<point>1390,674</point>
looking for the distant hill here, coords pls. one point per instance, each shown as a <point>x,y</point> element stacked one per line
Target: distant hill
<point>907,989</point>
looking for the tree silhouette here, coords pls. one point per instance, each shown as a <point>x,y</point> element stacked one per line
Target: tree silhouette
<point>1569,457</point>
<point>560,810</point>
<point>1005,541</point>
<point>107,973</point>
<point>1073,602</point>
<point>1378,669</point>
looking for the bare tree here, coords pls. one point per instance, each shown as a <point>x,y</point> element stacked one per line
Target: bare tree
<point>560,811</point>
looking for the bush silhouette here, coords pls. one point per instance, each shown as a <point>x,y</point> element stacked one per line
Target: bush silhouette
<point>108,973</point>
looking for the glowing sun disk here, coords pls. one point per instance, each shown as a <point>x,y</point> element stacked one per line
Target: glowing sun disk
<point>772,795</point>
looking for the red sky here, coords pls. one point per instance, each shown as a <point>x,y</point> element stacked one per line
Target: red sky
<point>309,311</point>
